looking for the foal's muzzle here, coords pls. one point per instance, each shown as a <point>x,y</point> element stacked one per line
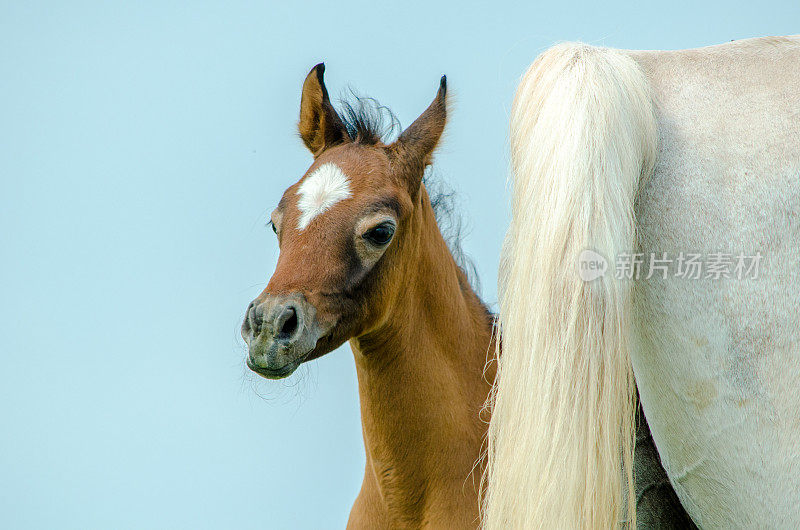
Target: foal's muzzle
<point>280,332</point>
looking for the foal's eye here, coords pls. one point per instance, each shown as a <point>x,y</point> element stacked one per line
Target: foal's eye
<point>380,235</point>
<point>272,225</point>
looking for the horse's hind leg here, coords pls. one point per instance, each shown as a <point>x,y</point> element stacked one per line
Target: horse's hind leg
<point>657,505</point>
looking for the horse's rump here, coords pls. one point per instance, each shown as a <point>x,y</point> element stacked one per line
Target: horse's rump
<point>715,357</point>
<point>716,360</point>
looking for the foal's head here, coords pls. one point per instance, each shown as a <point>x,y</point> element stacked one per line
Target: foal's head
<point>341,230</point>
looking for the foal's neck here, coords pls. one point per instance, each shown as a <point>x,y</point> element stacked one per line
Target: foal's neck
<point>422,386</point>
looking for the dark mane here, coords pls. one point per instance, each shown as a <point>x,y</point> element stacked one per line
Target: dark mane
<point>367,121</point>
<point>451,225</point>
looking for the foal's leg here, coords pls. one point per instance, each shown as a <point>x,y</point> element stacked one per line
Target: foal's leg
<point>657,505</point>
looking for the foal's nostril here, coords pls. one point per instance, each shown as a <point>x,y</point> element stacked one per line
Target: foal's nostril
<point>286,323</point>
<point>255,317</point>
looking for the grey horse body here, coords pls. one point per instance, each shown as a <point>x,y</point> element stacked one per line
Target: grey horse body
<point>716,357</point>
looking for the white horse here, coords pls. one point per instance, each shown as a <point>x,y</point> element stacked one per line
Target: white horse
<point>661,159</point>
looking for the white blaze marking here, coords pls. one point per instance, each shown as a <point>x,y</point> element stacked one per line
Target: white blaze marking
<point>323,188</point>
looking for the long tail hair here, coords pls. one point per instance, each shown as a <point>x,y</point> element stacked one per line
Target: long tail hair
<point>560,452</point>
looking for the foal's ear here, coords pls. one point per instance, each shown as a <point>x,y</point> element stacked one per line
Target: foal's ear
<point>415,146</point>
<point>320,127</point>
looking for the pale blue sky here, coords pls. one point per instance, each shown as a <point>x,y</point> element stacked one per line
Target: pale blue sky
<point>142,146</point>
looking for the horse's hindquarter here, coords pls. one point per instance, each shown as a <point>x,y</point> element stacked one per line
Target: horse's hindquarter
<point>717,361</point>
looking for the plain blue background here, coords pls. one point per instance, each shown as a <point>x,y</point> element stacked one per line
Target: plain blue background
<point>142,146</point>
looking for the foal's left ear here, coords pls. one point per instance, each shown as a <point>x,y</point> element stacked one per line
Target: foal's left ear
<point>415,146</point>
<point>320,127</point>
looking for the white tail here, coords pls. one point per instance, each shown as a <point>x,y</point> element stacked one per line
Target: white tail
<point>560,455</point>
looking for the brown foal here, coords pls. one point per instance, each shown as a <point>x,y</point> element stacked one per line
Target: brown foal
<point>362,259</point>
